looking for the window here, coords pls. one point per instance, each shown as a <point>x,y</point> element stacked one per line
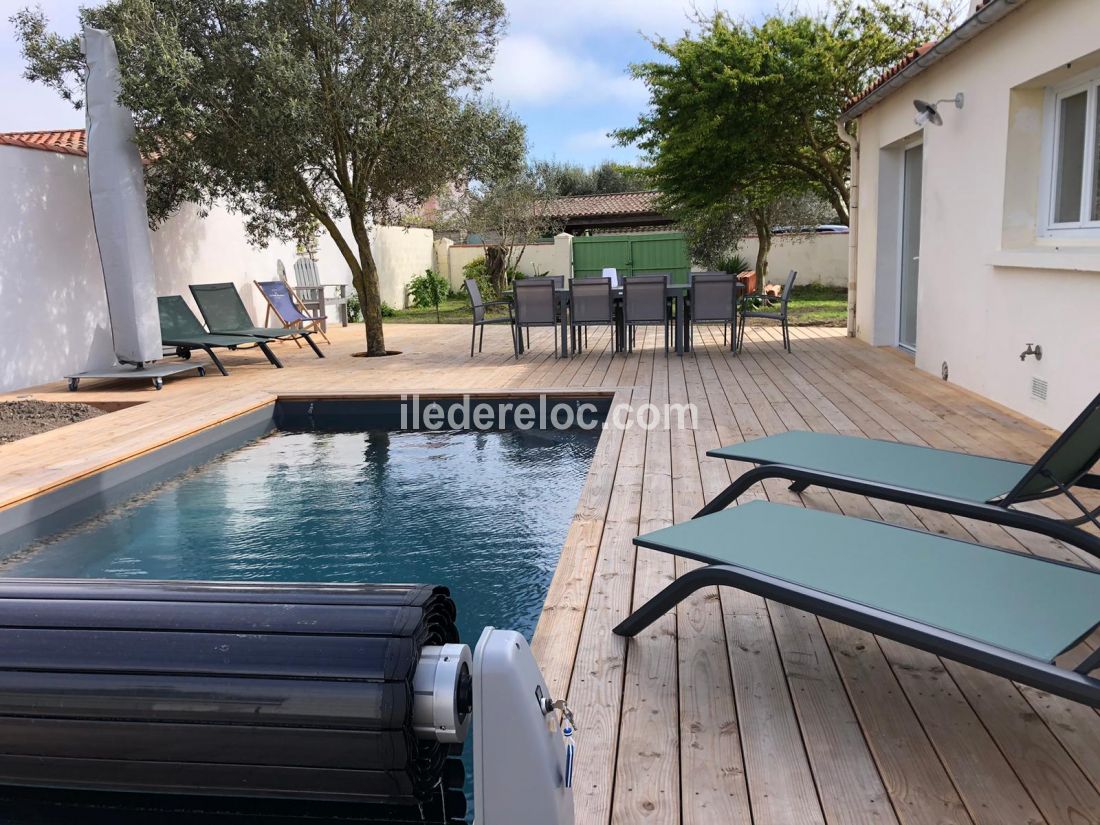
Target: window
<point>1072,195</point>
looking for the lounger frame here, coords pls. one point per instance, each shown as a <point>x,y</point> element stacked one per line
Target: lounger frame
<point>801,478</point>
<point>1075,684</point>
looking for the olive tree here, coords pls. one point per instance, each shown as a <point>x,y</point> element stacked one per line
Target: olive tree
<point>297,112</point>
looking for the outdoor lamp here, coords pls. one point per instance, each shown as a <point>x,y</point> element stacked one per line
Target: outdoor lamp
<point>928,113</point>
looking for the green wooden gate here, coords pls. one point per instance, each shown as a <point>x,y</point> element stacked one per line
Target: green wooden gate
<point>638,254</point>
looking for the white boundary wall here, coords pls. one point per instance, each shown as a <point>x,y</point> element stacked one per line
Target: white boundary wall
<point>53,309</point>
<point>555,258</point>
<point>819,258</point>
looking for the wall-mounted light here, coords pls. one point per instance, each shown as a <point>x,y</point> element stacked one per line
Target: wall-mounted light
<point>929,113</point>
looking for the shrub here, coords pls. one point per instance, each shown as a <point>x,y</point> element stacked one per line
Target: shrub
<point>429,290</point>
<point>355,312</point>
<point>479,271</point>
<point>387,310</point>
<point>735,264</point>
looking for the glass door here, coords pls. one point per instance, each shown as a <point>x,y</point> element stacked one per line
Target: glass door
<point>910,246</point>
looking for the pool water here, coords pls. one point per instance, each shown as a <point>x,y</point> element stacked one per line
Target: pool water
<point>485,514</point>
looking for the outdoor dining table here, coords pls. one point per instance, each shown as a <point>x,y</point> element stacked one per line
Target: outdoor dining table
<point>674,292</point>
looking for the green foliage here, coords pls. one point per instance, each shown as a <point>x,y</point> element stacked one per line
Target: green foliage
<point>741,129</point>
<point>388,311</point>
<point>293,112</point>
<point>355,311</point>
<point>735,264</point>
<point>429,290</point>
<point>573,179</point>
<point>479,271</point>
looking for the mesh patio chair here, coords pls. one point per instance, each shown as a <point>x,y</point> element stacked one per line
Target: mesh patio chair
<point>591,305</point>
<point>780,316</point>
<point>481,319</point>
<point>645,304</point>
<point>713,299</point>
<point>536,305</point>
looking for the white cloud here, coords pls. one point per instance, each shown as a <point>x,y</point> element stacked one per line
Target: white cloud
<point>530,70</point>
<point>666,18</point>
<point>590,141</point>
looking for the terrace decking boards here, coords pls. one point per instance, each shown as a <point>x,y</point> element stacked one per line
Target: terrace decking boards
<point>731,709</point>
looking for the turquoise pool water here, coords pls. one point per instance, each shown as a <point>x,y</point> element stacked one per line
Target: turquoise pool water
<point>484,513</point>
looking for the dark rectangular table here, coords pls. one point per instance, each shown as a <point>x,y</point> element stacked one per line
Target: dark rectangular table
<point>676,292</point>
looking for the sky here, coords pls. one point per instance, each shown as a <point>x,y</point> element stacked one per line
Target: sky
<point>562,68</point>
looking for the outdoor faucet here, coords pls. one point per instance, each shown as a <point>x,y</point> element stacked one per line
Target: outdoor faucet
<point>1032,349</point>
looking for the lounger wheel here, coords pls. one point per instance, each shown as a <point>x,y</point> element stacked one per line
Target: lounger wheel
<point>158,383</point>
<point>202,372</point>
<point>184,353</point>
<point>74,383</point>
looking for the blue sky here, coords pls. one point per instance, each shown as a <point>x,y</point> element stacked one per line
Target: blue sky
<point>562,69</point>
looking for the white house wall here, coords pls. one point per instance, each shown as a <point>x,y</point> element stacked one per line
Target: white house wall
<point>987,288</point>
<point>53,312</point>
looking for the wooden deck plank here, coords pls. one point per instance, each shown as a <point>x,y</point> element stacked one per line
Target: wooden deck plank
<point>730,709</point>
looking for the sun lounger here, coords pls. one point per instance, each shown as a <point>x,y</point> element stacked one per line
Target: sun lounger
<point>224,312</point>
<point>288,308</point>
<point>1007,613</point>
<point>956,483</point>
<point>180,328</point>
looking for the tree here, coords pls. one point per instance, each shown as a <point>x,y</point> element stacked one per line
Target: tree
<point>512,211</point>
<point>573,179</point>
<point>342,112</point>
<point>742,117</point>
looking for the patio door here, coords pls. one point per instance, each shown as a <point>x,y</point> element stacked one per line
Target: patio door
<point>912,174</point>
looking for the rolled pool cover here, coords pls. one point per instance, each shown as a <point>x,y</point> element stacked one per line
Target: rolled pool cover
<point>294,691</point>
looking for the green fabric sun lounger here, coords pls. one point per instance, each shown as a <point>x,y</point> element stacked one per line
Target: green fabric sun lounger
<point>1004,612</point>
<point>180,328</point>
<point>957,483</point>
<point>224,312</point>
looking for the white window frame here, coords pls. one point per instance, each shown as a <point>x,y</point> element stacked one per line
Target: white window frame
<point>1048,227</point>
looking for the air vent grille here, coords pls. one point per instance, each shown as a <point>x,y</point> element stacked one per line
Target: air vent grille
<point>1039,388</point>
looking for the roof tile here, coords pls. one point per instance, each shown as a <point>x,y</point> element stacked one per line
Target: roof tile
<point>618,203</point>
<point>64,141</point>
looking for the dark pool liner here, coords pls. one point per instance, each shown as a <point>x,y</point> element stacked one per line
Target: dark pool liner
<point>220,689</point>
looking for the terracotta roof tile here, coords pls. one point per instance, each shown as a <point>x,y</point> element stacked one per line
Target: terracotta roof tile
<point>619,203</point>
<point>64,141</point>
<point>917,53</point>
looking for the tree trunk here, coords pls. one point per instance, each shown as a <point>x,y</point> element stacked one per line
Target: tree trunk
<point>365,280</point>
<point>496,269</point>
<point>763,247</point>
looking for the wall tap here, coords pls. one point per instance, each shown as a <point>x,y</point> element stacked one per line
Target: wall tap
<point>1032,349</point>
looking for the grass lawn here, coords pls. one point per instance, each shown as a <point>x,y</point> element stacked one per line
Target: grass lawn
<point>814,305</point>
<point>811,305</point>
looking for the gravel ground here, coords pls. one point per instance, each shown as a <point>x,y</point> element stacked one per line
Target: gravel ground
<point>18,419</point>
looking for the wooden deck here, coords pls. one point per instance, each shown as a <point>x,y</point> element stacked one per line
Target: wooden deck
<point>732,709</point>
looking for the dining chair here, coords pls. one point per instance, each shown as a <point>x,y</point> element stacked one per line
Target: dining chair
<point>780,316</point>
<point>645,303</point>
<point>481,318</point>
<point>590,305</point>
<point>536,305</point>
<point>713,300</point>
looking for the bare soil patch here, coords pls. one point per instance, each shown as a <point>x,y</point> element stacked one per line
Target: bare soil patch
<point>18,419</point>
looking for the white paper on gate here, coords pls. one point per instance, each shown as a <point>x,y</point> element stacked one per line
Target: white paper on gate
<point>117,188</point>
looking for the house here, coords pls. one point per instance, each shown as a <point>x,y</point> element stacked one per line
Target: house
<point>976,223</point>
<point>614,212</point>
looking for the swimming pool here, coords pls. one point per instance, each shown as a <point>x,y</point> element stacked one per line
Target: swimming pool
<point>336,495</point>
<point>484,513</point>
